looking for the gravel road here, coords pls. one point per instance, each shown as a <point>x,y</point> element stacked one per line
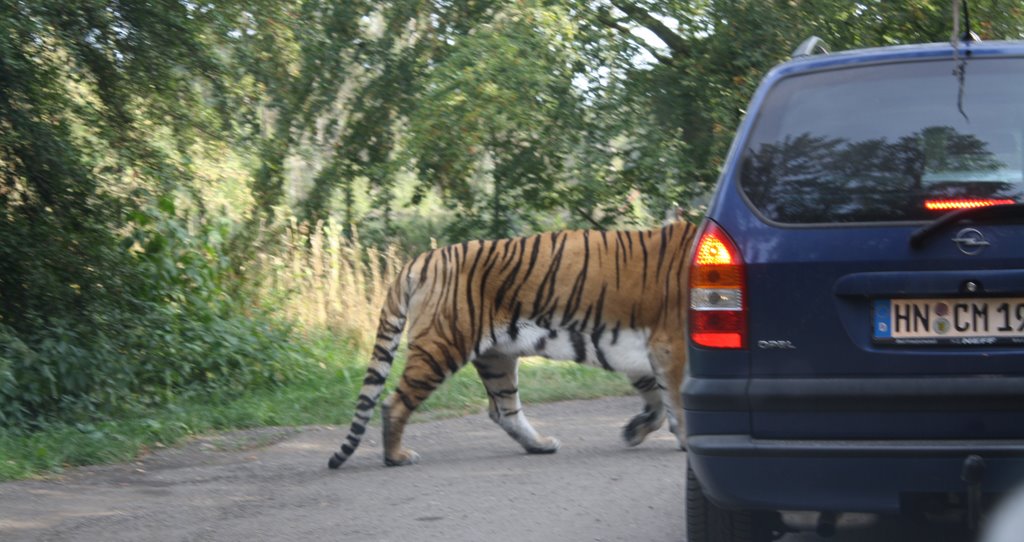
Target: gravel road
<point>473,484</point>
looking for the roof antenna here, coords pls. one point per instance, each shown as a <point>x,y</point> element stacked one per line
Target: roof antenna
<point>960,69</point>
<point>968,35</point>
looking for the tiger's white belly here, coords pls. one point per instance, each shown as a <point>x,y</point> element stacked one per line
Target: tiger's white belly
<point>626,352</point>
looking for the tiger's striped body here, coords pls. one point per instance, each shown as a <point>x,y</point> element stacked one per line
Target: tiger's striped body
<point>616,300</point>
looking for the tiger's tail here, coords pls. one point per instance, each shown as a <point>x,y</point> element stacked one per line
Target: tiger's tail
<point>389,334</point>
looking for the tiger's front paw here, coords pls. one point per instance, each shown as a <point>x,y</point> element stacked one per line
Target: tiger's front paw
<point>544,445</point>
<point>402,458</point>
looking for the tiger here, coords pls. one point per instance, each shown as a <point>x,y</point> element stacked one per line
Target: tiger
<point>615,300</point>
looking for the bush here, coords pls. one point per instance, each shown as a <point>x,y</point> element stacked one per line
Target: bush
<point>142,321</point>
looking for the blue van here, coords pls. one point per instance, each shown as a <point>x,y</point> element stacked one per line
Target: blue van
<point>857,293</point>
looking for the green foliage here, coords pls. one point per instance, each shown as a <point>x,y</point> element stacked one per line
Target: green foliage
<point>600,113</point>
<point>501,104</point>
<point>177,331</point>
<point>100,101</point>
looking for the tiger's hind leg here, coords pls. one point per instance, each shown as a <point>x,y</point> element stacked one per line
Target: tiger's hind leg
<point>669,363</point>
<point>424,372</point>
<point>653,415</point>
<point>500,375</point>
<point>393,421</point>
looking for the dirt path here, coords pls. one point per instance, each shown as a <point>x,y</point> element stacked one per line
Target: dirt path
<point>473,484</point>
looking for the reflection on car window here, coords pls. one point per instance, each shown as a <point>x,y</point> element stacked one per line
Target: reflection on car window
<point>874,143</point>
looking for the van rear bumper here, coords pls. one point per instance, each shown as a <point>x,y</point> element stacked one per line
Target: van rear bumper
<point>876,408</point>
<point>742,472</point>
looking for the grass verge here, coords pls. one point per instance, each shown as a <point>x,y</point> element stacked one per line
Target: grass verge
<point>325,396</point>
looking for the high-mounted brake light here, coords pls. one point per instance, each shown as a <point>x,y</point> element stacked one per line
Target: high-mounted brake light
<point>964,203</point>
<point>718,315</point>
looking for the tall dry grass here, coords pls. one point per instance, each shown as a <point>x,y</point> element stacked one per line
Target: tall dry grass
<point>323,280</point>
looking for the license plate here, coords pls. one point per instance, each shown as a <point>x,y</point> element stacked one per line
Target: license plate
<point>968,322</point>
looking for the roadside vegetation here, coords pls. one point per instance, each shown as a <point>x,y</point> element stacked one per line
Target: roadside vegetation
<point>201,203</point>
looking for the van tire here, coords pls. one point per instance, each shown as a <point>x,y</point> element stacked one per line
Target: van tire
<point>707,522</point>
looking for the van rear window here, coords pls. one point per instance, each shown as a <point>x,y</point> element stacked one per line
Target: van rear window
<point>883,143</point>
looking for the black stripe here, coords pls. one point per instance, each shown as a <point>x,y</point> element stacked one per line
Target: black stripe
<point>364,403</point>
<point>383,354</point>
<point>418,384</point>
<point>534,255</point>
<point>506,245</point>
<point>453,316</point>
<point>546,289</point>
<point>510,280</point>
<point>449,359</point>
<point>619,248</point>
<point>513,323</point>
<point>579,347</point>
<point>470,304</point>
<point>405,400</point>
<point>661,252</point>
<point>357,428</point>
<point>487,375</point>
<point>645,384</point>
<point>643,247</point>
<point>347,450</point>
<point>586,317</point>
<point>602,359</point>
<point>429,359</point>
<point>596,338</point>
<point>599,307</point>
<point>426,267</point>
<point>388,330</point>
<point>504,393</point>
<point>576,295</point>
<point>373,377</point>
<point>489,262</point>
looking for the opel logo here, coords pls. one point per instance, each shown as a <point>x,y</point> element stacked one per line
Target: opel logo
<point>970,241</point>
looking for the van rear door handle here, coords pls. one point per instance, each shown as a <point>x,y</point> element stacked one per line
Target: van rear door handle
<point>930,283</point>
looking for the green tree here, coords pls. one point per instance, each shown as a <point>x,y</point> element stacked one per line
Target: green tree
<point>587,110</point>
<point>109,295</point>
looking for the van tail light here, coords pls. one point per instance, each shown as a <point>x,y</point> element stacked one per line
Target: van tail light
<point>718,309</point>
